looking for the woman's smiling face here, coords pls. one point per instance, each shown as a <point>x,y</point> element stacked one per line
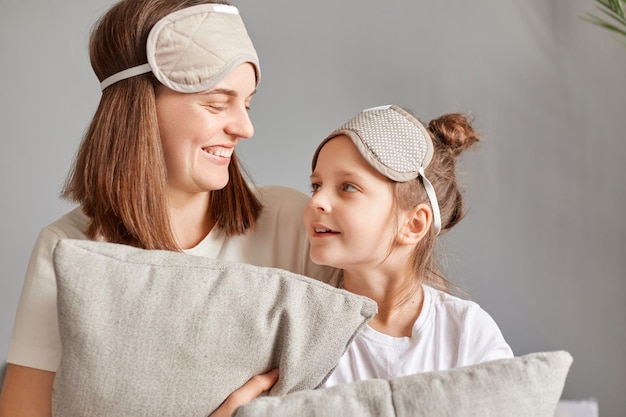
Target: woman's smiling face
<point>199,131</point>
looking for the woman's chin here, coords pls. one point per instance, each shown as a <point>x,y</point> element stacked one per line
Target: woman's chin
<point>215,184</point>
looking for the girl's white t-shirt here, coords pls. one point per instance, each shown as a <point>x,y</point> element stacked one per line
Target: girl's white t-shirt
<point>449,333</point>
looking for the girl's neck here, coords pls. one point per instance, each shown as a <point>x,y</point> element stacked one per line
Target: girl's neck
<point>190,218</point>
<point>399,297</point>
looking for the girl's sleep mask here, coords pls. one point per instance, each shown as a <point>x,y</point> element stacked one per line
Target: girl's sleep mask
<point>395,144</point>
<point>193,49</point>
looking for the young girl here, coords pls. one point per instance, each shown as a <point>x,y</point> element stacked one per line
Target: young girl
<point>384,187</point>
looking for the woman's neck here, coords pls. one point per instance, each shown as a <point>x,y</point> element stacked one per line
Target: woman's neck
<point>190,218</point>
<point>399,297</point>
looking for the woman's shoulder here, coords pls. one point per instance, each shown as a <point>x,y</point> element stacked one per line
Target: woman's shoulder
<point>72,225</point>
<point>278,193</point>
<point>280,199</point>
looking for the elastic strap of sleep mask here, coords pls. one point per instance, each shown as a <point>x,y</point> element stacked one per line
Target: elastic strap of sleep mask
<point>127,73</point>
<point>430,192</point>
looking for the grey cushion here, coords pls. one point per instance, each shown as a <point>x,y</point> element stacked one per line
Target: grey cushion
<point>525,386</point>
<point>158,333</point>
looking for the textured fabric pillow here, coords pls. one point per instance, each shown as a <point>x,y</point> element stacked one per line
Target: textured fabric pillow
<point>158,333</point>
<point>525,386</point>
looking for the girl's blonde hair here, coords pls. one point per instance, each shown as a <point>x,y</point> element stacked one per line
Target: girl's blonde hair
<point>451,135</point>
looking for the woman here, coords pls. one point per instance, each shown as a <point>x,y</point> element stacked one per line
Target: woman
<point>157,170</point>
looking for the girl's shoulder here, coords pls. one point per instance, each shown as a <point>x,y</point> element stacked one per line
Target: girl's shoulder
<point>454,308</point>
<point>439,297</point>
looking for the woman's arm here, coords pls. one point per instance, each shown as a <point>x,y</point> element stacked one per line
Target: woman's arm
<point>248,392</point>
<point>26,392</point>
<point>35,342</point>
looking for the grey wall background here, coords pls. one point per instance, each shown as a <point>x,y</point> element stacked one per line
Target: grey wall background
<point>543,247</point>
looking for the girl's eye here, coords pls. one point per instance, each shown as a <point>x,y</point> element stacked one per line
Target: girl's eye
<point>350,188</point>
<point>315,187</point>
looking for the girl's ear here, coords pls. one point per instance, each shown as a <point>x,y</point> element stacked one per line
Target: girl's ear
<point>416,225</point>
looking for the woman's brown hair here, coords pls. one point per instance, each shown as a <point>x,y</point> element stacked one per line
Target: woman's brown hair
<point>119,175</point>
<point>451,135</point>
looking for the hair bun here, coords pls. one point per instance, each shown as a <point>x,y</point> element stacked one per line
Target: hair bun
<point>454,131</point>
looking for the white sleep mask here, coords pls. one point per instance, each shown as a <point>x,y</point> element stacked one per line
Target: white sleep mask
<point>193,49</point>
<point>395,144</point>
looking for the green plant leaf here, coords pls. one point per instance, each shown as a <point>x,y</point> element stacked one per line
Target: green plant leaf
<point>615,20</point>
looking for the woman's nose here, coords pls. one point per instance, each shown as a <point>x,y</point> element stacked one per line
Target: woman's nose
<point>240,125</point>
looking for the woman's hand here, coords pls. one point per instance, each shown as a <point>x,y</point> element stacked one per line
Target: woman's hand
<point>248,392</point>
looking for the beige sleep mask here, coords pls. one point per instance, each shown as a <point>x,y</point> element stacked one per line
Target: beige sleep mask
<point>193,49</point>
<point>394,143</point>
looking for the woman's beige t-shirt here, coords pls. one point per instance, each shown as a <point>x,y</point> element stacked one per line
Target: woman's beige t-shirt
<point>279,241</point>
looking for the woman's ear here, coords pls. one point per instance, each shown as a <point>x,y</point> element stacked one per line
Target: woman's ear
<point>416,225</point>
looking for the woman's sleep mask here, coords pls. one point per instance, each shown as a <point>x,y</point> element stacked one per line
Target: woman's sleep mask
<point>193,49</point>
<point>395,144</point>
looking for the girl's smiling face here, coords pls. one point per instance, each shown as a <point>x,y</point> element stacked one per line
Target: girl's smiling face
<point>199,131</point>
<point>350,218</point>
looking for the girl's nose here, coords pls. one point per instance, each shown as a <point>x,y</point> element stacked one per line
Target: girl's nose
<point>320,201</point>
